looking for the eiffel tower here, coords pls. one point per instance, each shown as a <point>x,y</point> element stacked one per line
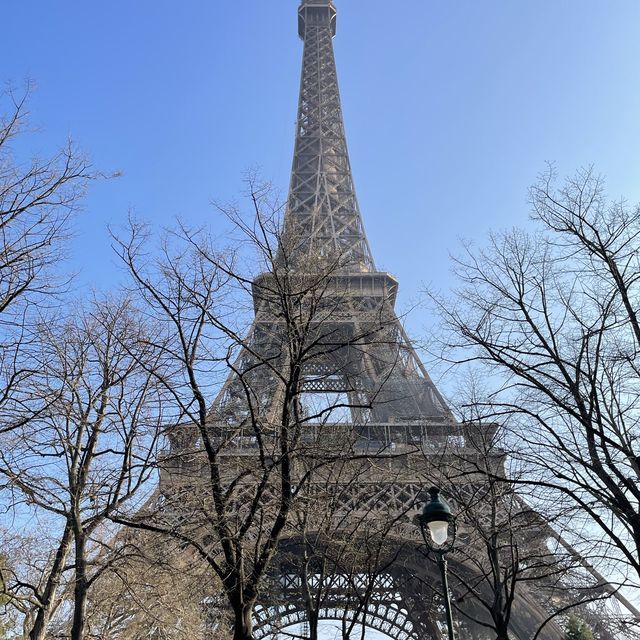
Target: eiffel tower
<point>365,392</point>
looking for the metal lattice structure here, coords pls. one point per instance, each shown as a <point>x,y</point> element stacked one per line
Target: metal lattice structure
<point>323,211</point>
<point>361,354</point>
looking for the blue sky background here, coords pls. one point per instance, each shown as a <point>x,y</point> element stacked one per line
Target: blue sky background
<point>452,108</point>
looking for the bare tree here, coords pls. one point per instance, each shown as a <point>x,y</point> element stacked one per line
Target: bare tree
<point>552,319</point>
<point>24,554</point>
<point>37,199</point>
<point>8,613</point>
<point>153,590</point>
<point>338,561</point>
<point>88,453</point>
<point>242,457</point>
<point>505,551</point>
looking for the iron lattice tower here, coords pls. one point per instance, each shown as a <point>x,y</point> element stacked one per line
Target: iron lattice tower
<point>323,220</point>
<point>323,208</point>
<point>392,405</point>
<point>322,225</point>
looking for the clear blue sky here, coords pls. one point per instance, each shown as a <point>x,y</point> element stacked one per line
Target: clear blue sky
<point>451,108</point>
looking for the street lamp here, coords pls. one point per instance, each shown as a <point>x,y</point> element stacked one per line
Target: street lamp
<point>435,520</point>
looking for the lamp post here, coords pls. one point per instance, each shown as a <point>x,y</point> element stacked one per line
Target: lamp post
<point>435,520</point>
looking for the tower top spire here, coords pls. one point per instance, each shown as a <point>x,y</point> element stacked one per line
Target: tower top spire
<point>322,216</point>
<point>316,13</point>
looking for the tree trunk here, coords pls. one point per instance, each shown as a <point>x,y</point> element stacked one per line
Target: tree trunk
<point>80,588</point>
<point>313,627</point>
<point>47,599</point>
<point>243,622</point>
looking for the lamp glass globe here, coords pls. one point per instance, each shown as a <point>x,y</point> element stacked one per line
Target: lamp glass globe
<point>439,531</point>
